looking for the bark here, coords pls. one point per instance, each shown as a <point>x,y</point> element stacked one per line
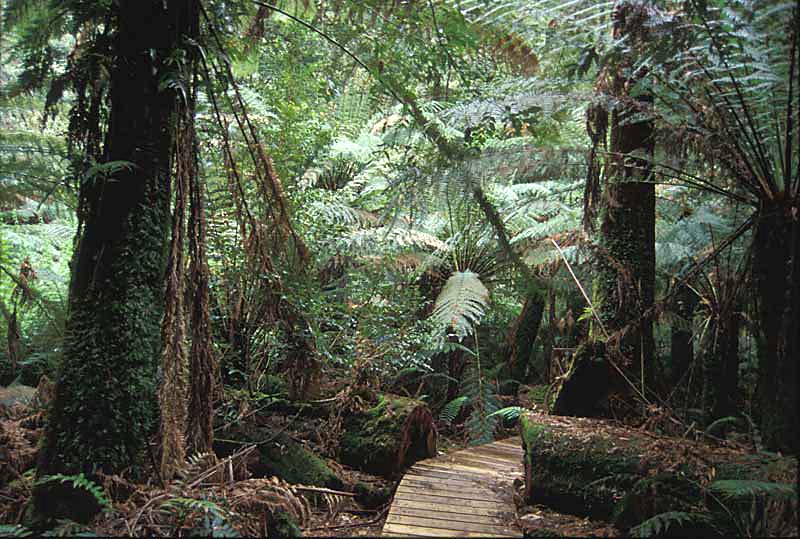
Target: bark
<point>776,270</point>
<point>202,366</point>
<point>626,274</point>
<point>721,360</point>
<point>104,406</point>
<point>523,338</point>
<point>173,392</point>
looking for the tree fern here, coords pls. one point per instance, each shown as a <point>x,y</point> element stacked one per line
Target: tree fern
<point>461,304</point>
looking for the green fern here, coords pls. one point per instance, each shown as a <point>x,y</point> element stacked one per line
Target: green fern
<point>215,522</point>
<point>14,530</point>
<point>461,303</point>
<point>452,409</point>
<point>729,420</point>
<point>662,522</point>
<point>80,481</point>
<point>509,413</point>
<point>738,488</point>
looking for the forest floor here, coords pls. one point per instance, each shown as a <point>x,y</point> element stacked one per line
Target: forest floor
<point>229,497</point>
<point>224,495</point>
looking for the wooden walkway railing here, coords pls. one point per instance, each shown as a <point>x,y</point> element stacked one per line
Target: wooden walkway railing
<point>463,494</point>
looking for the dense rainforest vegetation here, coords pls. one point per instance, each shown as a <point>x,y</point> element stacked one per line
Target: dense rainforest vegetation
<point>257,258</point>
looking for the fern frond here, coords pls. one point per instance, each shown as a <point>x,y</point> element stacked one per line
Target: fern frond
<point>80,481</point>
<point>461,304</point>
<point>737,488</point>
<point>509,413</point>
<point>660,523</point>
<point>14,530</point>
<point>451,409</point>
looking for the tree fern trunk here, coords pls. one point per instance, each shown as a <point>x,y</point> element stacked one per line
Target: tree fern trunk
<point>777,274</point>
<point>682,334</point>
<point>721,356</point>
<point>104,407</point>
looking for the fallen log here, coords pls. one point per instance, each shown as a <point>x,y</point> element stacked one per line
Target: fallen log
<point>644,482</point>
<point>280,456</point>
<point>388,437</point>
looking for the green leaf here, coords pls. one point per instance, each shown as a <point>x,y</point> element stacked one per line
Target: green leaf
<point>461,303</point>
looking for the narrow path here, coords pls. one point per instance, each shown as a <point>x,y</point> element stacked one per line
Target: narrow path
<point>463,494</point>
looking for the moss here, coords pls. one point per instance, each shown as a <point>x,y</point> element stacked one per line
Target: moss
<point>592,468</point>
<point>297,465</point>
<point>395,432</point>
<point>372,496</point>
<point>278,455</point>
<point>282,525</point>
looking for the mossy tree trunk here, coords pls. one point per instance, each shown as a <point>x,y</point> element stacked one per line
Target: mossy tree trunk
<point>104,407</point>
<point>626,271</point>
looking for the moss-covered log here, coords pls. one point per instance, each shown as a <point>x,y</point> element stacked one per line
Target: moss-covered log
<point>598,469</point>
<point>388,437</point>
<point>279,455</point>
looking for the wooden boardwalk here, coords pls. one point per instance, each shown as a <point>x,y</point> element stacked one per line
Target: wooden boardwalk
<point>463,494</point>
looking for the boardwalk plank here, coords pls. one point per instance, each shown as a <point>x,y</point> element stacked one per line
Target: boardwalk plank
<point>426,496</point>
<point>464,494</point>
<point>485,528</point>
<point>456,509</point>
<point>497,519</point>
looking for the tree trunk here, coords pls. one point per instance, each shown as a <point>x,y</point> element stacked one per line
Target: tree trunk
<point>202,367</point>
<point>682,334</point>
<point>578,466</point>
<point>729,346</point>
<point>522,338</point>
<point>625,273</point>
<point>104,407</point>
<point>721,360</point>
<point>626,277</point>
<point>777,274</point>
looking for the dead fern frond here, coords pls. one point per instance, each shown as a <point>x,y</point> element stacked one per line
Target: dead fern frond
<point>262,500</point>
<point>198,467</point>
